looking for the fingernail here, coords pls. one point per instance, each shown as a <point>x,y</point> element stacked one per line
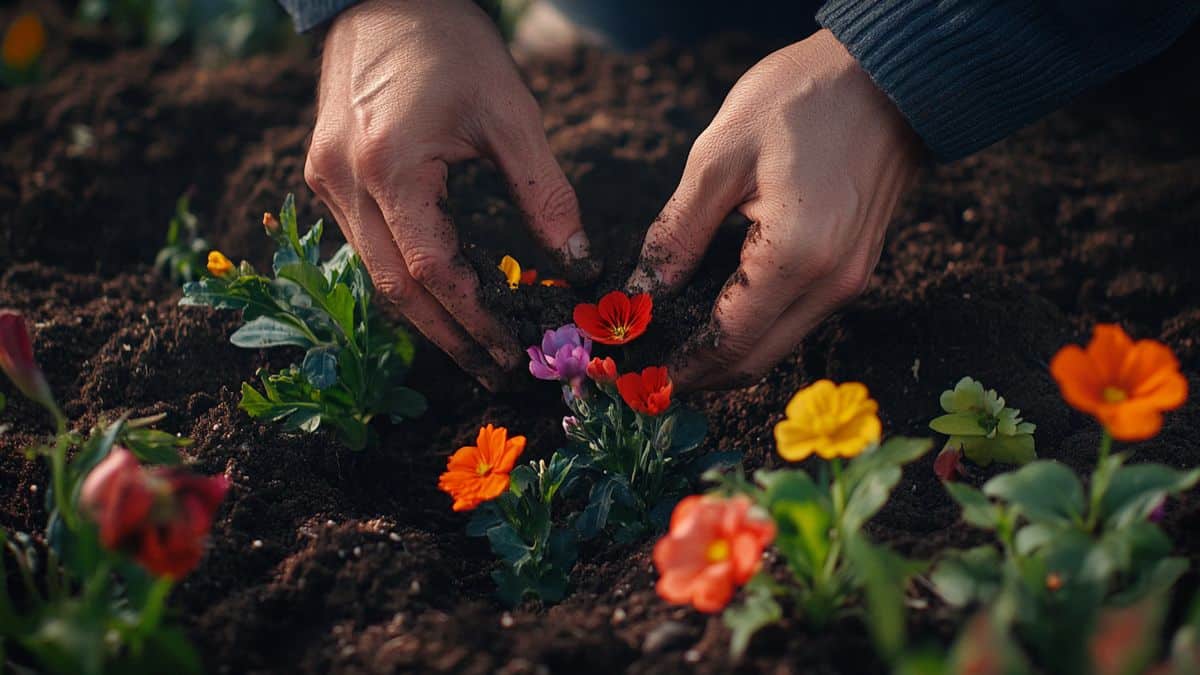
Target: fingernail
<point>644,280</point>
<point>578,247</point>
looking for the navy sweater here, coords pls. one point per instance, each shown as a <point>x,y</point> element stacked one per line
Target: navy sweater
<point>966,73</point>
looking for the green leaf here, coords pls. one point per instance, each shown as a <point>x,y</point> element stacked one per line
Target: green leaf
<point>337,301</point>
<point>1043,491</point>
<point>791,485</point>
<point>595,515</point>
<point>320,366</point>
<point>287,218</point>
<point>508,545</point>
<point>1134,491</point>
<point>803,533</point>
<point>1004,449</point>
<point>690,429</point>
<point>977,509</point>
<point>883,575</point>
<point>868,497</point>
<point>757,611</point>
<point>153,446</point>
<point>266,331</point>
<point>405,403</point>
<point>896,451</point>
<point>963,577</point>
<point>958,424</point>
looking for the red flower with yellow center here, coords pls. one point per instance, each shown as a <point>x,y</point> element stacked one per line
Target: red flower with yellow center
<point>479,473</point>
<point>648,392</point>
<point>616,319</point>
<point>1126,385</point>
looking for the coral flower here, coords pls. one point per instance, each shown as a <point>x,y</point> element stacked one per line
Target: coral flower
<point>1126,385</point>
<point>564,355</point>
<point>602,370</point>
<point>218,264</point>
<point>23,42</point>
<point>714,545</point>
<point>648,392</point>
<point>271,224</point>
<point>161,516</point>
<point>829,419</point>
<point>617,319</point>
<point>478,473</point>
<point>16,359</point>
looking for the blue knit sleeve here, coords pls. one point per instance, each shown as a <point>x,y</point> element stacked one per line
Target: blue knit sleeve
<point>308,14</point>
<point>966,73</point>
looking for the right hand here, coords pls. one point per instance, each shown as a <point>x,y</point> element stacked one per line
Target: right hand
<point>407,88</point>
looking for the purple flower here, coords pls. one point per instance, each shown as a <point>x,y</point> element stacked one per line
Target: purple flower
<point>564,355</point>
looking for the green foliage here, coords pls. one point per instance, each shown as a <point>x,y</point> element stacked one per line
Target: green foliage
<point>215,29</point>
<point>979,424</point>
<point>182,256</point>
<point>535,555</point>
<point>93,611</point>
<point>819,533</point>
<point>354,361</point>
<point>1067,553</point>
<point>640,466</point>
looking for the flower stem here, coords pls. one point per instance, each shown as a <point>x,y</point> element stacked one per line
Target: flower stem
<point>1105,447</point>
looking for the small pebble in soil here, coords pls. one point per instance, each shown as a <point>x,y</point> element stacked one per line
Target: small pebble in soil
<point>668,636</point>
<point>33,488</point>
<point>257,543</point>
<point>506,620</point>
<point>357,551</point>
<point>394,537</point>
<point>415,586</point>
<point>618,615</point>
<point>217,427</point>
<point>692,656</point>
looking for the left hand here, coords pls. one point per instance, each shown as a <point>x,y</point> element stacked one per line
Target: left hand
<point>816,157</point>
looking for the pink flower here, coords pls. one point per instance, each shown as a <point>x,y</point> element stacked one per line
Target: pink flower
<point>948,464</point>
<point>16,359</point>
<point>564,355</point>
<point>714,545</point>
<point>160,516</point>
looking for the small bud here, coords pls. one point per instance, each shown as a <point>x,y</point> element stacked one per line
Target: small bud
<point>17,361</point>
<point>1053,582</point>
<point>665,434</point>
<point>271,224</point>
<point>218,264</point>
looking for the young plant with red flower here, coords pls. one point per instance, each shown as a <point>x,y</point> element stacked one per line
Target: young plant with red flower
<point>1070,549</point>
<point>94,610</point>
<point>513,508</point>
<point>617,319</point>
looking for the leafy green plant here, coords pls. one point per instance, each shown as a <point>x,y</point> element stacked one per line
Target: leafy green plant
<point>982,428</point>
<point>819,534</point>
<point>353,361</point>
<point>182,256</point>
<point>1066,551</point>
<point>535,555</point>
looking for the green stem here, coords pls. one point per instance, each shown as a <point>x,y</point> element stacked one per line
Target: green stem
<point>1097,490</point>
<point>839,497</point>
<point>58,475</point>
<point>1105,447</point>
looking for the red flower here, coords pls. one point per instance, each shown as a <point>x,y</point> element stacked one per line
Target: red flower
<point>948,464</point>
<point>602,370</point>
<point>16,359</point>
<point>714,545</point>
<point>160,516</point>
<point>648,392</point>
<point>617,319</point>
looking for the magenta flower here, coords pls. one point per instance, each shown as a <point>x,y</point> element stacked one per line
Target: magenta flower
<point>16,359</point>
<point>564,355</point>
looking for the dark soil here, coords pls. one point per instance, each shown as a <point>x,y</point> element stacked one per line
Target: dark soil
<point>329,561</point>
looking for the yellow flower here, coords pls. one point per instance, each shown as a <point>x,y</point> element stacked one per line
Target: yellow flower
<point>829,419</point>
<point>512,271</point>
<point>218,264</point>
<point>24,41</point>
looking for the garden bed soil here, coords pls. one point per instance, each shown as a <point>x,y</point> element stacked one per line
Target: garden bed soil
<point>324,560</point>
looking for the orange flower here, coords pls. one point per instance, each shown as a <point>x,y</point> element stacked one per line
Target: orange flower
<point>602,370</point>
<point>23,41</point>
<point>478,473</point>
<point>649,392</point>
<point>1126,385</point>
<point>617,319</point>
<point>714,545</point>
<point>218,264</point>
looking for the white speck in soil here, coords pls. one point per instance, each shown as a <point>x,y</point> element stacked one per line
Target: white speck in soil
<point>506,620</point>
<point>257,543</point>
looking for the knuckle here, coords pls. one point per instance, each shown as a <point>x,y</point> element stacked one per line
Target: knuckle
<point>321,167</point>
<point>425,266</point>
<point>851,284</point>
<point>373,157</point>
<point>395,285</point>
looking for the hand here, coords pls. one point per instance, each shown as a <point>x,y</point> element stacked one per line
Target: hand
<point>816,157</point>
<point>408,88</point>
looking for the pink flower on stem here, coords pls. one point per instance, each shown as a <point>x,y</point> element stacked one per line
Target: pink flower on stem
<point>16,359</point>
<point>563,355</point>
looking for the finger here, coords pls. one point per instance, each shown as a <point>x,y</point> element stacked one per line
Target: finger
<point>411,205</point>
<point>374,244</point>
<point>544,195</point>
<point>712,185</point>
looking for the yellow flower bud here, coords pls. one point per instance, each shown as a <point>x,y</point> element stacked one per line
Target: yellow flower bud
<point>218,264</point>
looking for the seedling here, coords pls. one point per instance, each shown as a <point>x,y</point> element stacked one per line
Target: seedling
<point>354,361</point>
<point>182,256</point>
<point>981,427</point>
<point>118,536</point>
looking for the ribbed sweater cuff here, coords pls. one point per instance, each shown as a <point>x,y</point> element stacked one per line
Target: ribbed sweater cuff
<point>966,73</point>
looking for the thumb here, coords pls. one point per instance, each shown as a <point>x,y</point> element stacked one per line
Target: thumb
<point>548,202</point>
<point>713,184</point>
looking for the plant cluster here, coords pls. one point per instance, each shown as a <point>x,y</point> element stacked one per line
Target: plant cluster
<point>353,360</point>
<point>631,452</point>
<point>1072,557</point>
<point>181,258</point>
<point>981,428</point>
<point>715,542</point>
<point>125,522</point>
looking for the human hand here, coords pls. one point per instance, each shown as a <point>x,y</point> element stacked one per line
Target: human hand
<point>816,157</point>
<point>406,89</point>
